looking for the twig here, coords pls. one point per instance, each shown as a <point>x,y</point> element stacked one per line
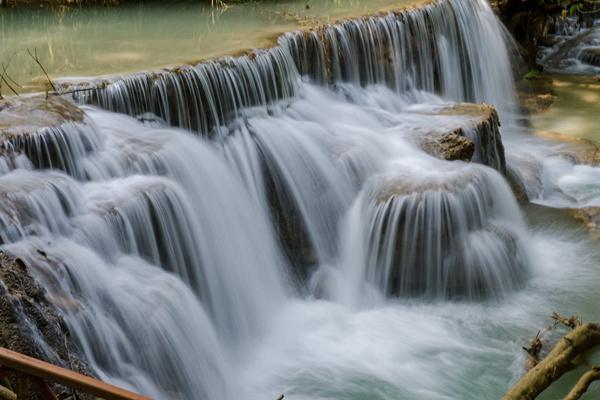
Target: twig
<point>572,322</point>
<point>36,59</point>
<point>3,79</point>
<point>4,70</point>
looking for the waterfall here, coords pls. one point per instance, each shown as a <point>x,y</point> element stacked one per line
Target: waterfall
<point>189,208</point>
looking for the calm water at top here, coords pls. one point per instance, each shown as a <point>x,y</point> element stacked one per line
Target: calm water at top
<point>96,41</point>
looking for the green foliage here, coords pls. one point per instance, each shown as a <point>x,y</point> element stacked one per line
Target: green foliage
<point>533,74</point>
<point>570,7</point>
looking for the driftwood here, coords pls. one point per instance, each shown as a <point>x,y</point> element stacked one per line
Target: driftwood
<point>583,384</point>
<point>567,354</point>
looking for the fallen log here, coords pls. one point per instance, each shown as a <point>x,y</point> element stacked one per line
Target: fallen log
<point>567,354</point>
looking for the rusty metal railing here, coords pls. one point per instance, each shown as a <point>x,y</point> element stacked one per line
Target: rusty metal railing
<point>40,373</point>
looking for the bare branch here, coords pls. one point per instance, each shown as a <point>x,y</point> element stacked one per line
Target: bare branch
<point>583,384</point>
<point>37,60</point>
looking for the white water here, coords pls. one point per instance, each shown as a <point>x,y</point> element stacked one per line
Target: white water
<point>567,54</point>
<point>161,250</point>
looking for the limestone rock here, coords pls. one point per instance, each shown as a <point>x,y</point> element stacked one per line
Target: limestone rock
<point>449,146</point>
<point>437,238</point>
<point>27,114</point>
<point>51,132</point>
<point>475,123</point>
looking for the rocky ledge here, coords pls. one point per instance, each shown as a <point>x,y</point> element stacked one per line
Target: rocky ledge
<point>48,130</point>
<point>28,114</point>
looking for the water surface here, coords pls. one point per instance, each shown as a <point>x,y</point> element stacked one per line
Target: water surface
<point>98,40</point>
<point>575,109</point>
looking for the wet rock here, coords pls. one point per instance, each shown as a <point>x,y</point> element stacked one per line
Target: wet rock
<point>449,146</point>
<point>437,238</point>
<point>581,48</point>
<point>590,55</point>
<point>50,132</point>
<point>289,225</point>
<point>28,114</point>
<point>517,185</point>
<point>578,150</point>
<point>474,123</point>
<point>590,218</point>
<point>31,324</point>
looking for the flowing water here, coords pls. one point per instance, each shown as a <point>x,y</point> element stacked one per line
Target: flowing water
<point>269,224</point>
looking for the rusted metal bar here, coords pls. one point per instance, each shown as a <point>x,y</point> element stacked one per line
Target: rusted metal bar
<point>48,372</point>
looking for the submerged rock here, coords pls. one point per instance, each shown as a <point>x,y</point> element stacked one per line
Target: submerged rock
<point>537,94</point>
<point>31,324</point>
<point>578,150</point>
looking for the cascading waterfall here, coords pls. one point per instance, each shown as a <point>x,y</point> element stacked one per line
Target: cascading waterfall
<point>173,256</point>
<point>458,235</point>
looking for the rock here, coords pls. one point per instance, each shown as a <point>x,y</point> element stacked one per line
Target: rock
<point>578,150</point>
<point>289,225</point>
<point>590,218</point>
<point>517,185</point>
<point>31,325</point>
<point>582,47</point>
<point>474,123</point>
<point>535,95</point>
<point>437,237</point>
<point>590,55</point>
<point>27,114</point>
<point>51,132</point>
<point>449,146</point>
<point>526,174</point>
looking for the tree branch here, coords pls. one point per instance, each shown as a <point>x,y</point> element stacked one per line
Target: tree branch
<point>583,384</point>
<point>565,356</point>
